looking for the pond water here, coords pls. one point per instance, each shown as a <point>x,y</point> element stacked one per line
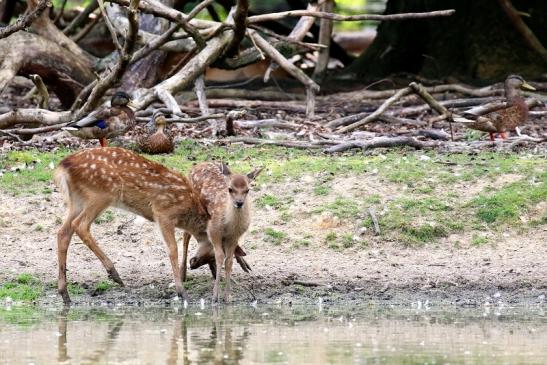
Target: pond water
<point>274,335</point>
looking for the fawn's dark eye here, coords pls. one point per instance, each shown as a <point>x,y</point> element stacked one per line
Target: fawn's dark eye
<point>230,190</point>
<point>246,191</point>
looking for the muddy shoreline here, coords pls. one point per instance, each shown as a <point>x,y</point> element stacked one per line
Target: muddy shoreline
<point>337,294</point>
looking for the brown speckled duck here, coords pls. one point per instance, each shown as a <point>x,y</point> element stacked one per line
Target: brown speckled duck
<point>509,117</point>
<point>106,123</point>
<point>159,141</point>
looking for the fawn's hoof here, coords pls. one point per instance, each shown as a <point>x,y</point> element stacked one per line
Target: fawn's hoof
<point>66,297</point>
<point>113,274</point>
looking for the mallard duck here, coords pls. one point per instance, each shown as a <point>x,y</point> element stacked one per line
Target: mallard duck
<point>506,118</point>
<point>106,123</point>
<point>159,141</point>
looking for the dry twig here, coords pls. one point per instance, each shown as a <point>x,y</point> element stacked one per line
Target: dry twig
<point>341,18</point>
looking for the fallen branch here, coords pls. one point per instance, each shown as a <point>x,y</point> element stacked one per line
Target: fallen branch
<point>176,119</point>
<point>453,103</point>
<point>168,100</point>
<point>282,143</point>
<point>438,89</point>
<point>342,18</point>
<point>275,55</point>
<point>190,71</point>
<point>26,20</point>
<point>420,90</point>
<point>267,123</point>
<point>255,104</point>
<point>158,9</point>
<point>158,42</point>
<point>297,35</point>
<point>378,112</point>
<point>379,142</point>
<point>33,131</point>
<point>32,117</point>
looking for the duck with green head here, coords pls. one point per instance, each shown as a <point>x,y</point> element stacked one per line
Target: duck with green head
<point>107,122</point>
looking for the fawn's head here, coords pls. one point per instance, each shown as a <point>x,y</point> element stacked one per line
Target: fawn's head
<point>238,185</point>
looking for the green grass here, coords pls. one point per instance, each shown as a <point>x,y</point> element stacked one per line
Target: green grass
<point>506,204</point>
<point>421,201</point>
<point>75,289</point>
<point>274,236</point>
<point>301,243</point>
<point>272,201</point>
<point>25,288</point>
<point>478,240</point>
<point>341,207</point>
<point>34,174</point>
<point>347,240</point>
<point>321,189</point>
<point>103,286</point>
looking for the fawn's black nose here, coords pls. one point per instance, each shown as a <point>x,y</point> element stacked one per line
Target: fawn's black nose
<point>238,204</point>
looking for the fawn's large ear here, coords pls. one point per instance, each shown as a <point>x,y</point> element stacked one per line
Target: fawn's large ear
<point>225,170</point>
<point>252,175</point>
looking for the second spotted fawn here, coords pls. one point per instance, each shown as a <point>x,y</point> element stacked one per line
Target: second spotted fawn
<point>225,196</point>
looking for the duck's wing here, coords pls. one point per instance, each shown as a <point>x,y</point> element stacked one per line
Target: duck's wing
<point>98,119</point>
<point>506,118</point>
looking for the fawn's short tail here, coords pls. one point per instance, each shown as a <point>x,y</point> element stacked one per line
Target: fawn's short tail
<point>61,179</point>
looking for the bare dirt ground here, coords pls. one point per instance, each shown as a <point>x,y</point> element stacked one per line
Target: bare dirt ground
<point>510,269</point>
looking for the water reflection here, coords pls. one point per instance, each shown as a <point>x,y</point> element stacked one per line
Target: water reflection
<point>298,335</point>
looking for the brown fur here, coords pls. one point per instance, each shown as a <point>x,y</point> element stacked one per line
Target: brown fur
<point>97,178</point>
<point>225,196</point>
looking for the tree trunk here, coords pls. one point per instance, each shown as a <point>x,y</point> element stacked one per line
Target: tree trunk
<point>62,71</point>
<point>478,42</point>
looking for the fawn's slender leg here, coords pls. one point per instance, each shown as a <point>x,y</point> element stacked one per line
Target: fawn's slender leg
<point>64,235</point>
<point>82,225</point>
<point>167,228</point>
<point>230,249</point>
<point>215,236</point>
<point>183,266</point>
